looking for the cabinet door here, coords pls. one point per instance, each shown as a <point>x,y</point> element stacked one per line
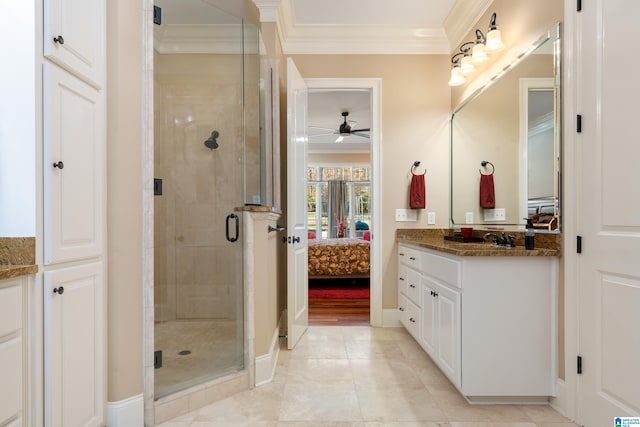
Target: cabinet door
<point>74,37</point>
<point>73,346</point>
<point>429,320</point>
<point>448,332</point>
<point>73,167</point>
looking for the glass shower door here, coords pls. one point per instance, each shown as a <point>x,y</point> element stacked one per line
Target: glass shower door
<point>200,158</point>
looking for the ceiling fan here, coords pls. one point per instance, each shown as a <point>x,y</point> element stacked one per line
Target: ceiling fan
<point>345,130</point>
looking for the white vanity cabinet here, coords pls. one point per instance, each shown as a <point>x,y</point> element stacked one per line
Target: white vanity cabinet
<point>488,322</point>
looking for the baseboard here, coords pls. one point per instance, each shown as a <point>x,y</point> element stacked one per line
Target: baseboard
<point>266,364</point>
<point>126,413</point>
<point>559,402</point>
<point>391,318</point>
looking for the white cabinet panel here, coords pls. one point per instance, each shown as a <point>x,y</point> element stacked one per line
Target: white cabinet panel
<point>74,37</point>
<point>74,346</point>
<point>13,350</point>
<point>73,167</point>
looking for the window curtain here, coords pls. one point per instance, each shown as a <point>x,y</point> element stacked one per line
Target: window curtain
<point>337,206</point>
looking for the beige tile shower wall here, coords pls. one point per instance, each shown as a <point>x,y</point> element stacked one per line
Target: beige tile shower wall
<point>195,266</point>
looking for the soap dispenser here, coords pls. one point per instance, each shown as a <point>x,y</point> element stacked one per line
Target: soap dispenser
<point>529,235</point>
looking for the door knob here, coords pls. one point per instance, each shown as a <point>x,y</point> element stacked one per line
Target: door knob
<point>59,290</point>
<point>59,165</point>
<point>59,39</point>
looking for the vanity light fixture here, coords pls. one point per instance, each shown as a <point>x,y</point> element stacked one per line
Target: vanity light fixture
<point>475,52</point>
<point>457,78</point>
<point>494,37</point>
<point>478,53</point>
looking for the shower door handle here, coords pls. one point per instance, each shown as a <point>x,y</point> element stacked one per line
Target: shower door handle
<point>234,217</point>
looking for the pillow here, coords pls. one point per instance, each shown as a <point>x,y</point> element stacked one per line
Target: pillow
<point>366,235</point>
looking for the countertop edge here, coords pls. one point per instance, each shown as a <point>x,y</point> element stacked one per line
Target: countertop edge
<point>11,271</point>
<point>454,248</point>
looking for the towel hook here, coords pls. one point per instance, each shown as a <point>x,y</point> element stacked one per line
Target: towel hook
<point>484,164</point>
<point>415,165</point>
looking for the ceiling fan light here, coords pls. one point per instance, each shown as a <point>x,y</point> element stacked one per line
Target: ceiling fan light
<point>457,78</point>
<point>494,40</point>
<point>478,54</point>
<point>466,66</point>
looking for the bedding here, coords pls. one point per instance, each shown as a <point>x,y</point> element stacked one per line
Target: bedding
<point>343,257</point>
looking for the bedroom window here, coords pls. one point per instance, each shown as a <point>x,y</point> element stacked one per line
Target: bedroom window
<point>357,179</point>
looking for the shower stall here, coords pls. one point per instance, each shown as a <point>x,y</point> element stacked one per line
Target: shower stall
<point>208,158</point>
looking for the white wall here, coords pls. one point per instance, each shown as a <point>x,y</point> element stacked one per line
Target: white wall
<point>17,120</point>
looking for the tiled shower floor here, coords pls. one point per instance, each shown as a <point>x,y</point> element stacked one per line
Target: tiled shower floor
<point>214,347</point>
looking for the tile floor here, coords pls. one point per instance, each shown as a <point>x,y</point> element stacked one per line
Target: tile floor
<point>365,377</point>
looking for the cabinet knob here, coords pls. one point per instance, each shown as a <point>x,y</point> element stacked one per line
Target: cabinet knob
<point>59,290</point>
<point>435,294</point>
<point>59,39</point>
<point>59,165</point>
<point>401,308</point>
<point>412,320</point>
<point>411,285</point>
<point>412,258</point>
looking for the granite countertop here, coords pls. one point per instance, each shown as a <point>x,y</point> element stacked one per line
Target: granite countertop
<point>17,256</point>
<point>434,239</point>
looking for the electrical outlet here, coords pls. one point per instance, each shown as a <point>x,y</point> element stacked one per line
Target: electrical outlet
<point>498,214</point>
<point>468,217</point>
<point>406,215</point>
<point>431,218</point>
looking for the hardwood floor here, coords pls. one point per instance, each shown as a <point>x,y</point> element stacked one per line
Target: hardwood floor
<point>338,312</point>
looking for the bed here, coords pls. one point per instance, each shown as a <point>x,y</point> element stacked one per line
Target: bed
<point>338,258</point>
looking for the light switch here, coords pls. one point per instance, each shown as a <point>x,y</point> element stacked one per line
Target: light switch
<point>431,218</point>
<point>468,218</point>
<point>406,215</point>
<point>497,214</point>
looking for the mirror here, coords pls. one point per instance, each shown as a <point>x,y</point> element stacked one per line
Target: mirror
<point>511,127</point>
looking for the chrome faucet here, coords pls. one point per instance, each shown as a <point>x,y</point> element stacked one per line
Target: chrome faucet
<point>503,240</point>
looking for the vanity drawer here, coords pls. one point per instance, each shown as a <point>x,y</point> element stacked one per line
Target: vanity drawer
<point>409,283</point>
<point>412,319</point>
<point>442,268</point>
<point>409,256</point>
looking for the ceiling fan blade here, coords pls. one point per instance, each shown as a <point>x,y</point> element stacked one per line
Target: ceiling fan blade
<point>360,130</point>
<point>362,135</point>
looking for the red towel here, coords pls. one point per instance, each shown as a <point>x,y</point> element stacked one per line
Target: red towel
<point>417,192</point>
<point>487,192</point>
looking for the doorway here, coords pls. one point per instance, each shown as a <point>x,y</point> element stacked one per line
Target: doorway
<point>344,163</point>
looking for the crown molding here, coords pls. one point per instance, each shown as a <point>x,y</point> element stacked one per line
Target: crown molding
<point>463,17</point>
<point>338,39</point>
<point>268,9</point>
<point>224,39</point>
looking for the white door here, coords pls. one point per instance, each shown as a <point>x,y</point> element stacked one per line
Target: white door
<point>74,346</point>
<point>609,207</point>
<point>297,274</point>
<point>73,167</point>
<point>74,37</point>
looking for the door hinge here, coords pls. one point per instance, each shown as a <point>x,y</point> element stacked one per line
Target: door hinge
<point>579,244</point>
<point>579,123</point>
<point>579,5</point>
<point>579,365</point>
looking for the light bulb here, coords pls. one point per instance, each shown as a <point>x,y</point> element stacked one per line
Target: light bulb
<point>466,66</point>
<point>478,54</point>
<point>456,77</point>
<point>494,40</point>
